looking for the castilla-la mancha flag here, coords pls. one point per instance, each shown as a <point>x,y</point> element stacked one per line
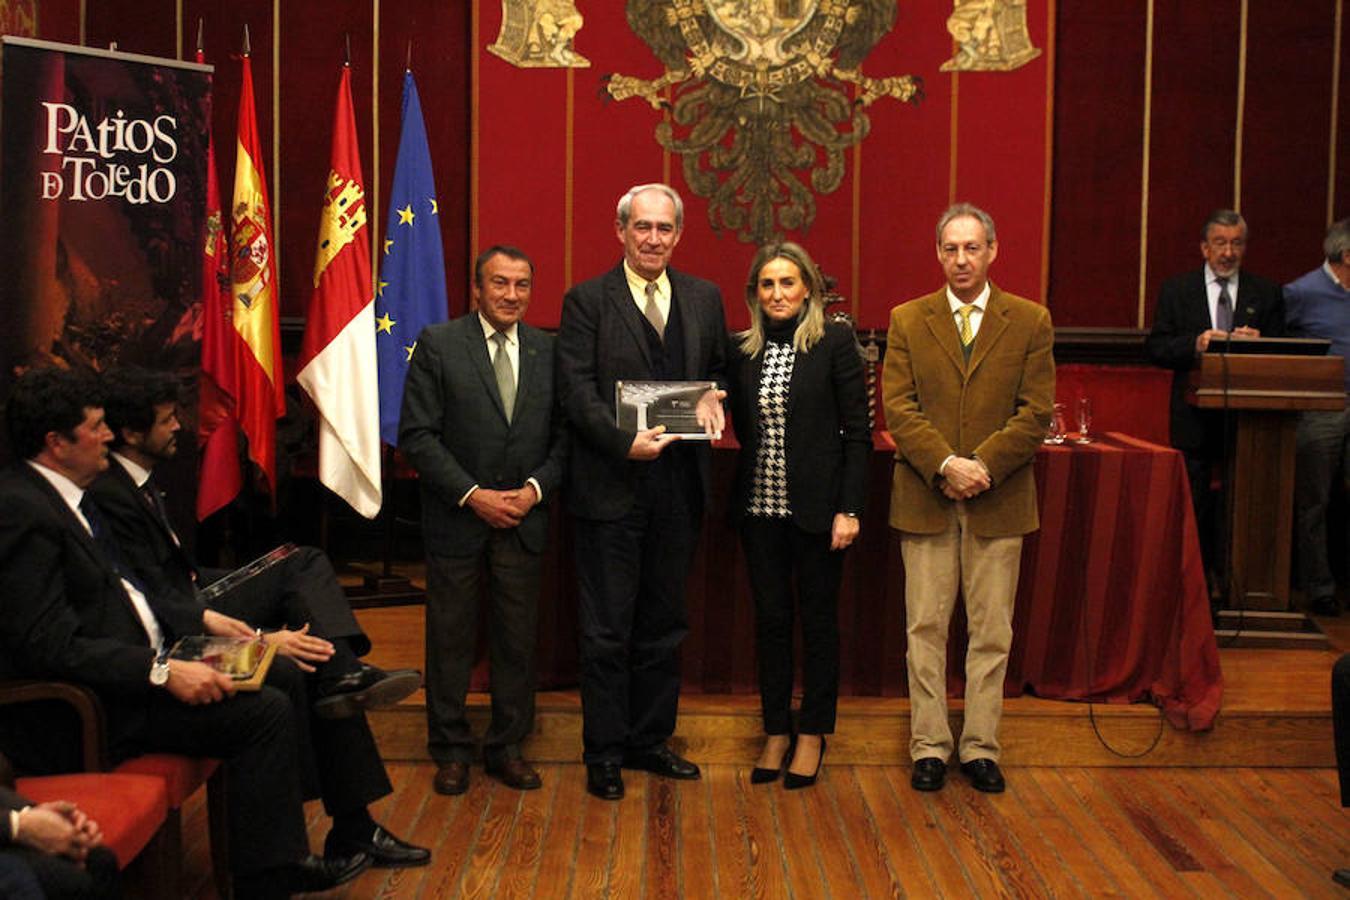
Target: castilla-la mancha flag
<point>338,367</point>
<point>253,290</point>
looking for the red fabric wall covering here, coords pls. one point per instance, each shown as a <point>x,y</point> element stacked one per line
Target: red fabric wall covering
<point>1099,119</point>
<point>1001,148</point>
<point>1285,152</point>
<point>906,164</point>
<point>1342,182</point>
<point>1195,69</point>
<point>904,174</point>
<point>58,20</point>
<point>136,28</point>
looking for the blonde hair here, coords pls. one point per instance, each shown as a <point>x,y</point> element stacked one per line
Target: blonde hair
<point>810,321</point>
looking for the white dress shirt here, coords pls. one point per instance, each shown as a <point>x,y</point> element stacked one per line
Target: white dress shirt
<point>1212,294</point>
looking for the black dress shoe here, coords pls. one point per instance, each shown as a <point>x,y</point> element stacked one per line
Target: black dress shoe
<point>323,873</point>
<point>930,774</point>
<point>1341,876</point>
<point>604,780</point>
<point>663,761</point>
<point>984,775</point>
<point>792,781</point>
<point>384,850</point>
<point>451,778</point>
<point>365,687</point>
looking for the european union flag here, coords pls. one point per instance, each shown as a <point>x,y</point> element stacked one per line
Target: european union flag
<point>410,294</point>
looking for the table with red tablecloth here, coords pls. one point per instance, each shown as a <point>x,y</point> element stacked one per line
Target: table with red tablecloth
<point>1111,602</point>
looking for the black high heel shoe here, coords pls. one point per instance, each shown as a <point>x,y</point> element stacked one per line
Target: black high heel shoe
<point>764,776</point>
<point>792,781</point>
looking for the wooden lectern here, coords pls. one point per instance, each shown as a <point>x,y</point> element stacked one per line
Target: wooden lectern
<point>1265,392</point>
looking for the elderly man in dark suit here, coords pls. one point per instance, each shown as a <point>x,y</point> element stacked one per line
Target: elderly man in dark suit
<point>637,496</point>
<point>75,611</point>
<point>968,385</point>
<point>298,600</point>
<point>480,425</point>
<point>1215,302</point>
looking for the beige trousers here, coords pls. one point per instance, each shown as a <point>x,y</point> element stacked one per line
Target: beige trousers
<point>986,571</point>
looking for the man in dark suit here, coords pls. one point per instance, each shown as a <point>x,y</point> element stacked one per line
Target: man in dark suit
<point>299,600</point>
<point>74,612</point>
<point>481,426</point>
<point>56,850</point>
<point>637,496</point>
<point>968,386</point>
<point>1216,302</point>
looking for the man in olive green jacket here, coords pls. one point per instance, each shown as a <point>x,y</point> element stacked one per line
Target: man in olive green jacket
<point>968,386</point>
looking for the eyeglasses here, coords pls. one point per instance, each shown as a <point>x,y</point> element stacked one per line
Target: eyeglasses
<point>949,251</point>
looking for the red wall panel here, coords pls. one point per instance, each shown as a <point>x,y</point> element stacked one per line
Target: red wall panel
<point>1099,117</point>
<point>1285,162</point>
<point>905,169</point>
<point>1195,77</point>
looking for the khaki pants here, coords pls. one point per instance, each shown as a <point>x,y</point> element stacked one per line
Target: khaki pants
<point>986,571</point>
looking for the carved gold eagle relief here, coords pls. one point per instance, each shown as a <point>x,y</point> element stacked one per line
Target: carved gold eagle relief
<point>762,95</point>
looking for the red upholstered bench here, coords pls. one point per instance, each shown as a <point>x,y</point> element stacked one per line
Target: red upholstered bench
<point>173,779</point>
<point>131,809</point>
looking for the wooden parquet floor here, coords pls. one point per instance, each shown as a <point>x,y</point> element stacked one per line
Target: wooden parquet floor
<point>861,832</point>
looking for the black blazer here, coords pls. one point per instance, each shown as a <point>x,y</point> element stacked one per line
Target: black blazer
<point>601,341</point>
<point>65,614</point>
<point>1182,314</point>
<point>453,430</point>
<point>828,441</point>
<point>147,545</point>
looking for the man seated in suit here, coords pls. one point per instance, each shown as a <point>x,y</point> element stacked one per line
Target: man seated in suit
<point>300,598</point>
<point>968,385</point>
<point>1216,302</point>
<point>52,850</point>
<point>637,497</point>
<point>480,424</point>
<point>74,610</point>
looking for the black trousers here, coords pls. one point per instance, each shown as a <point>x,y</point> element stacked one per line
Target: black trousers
<point>783,561</point>
<point>632,573</point>
<point>301,588</point>
<point>27,874</point>
<point>454,588</point>
<point>1340,712</point>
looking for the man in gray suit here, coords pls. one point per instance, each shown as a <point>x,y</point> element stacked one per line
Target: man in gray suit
<point>480,426</point>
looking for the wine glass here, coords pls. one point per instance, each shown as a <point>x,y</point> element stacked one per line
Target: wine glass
<point>1084,421</point>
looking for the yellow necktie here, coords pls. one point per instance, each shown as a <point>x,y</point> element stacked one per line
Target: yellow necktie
<point>964,312</point>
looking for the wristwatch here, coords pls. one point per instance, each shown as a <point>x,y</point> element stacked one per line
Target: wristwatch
<point>159,670</point>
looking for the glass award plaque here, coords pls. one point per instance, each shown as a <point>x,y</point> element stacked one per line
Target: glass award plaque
<point>681,406</point>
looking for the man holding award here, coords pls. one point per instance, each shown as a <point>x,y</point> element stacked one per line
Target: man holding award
<point>636,495</point>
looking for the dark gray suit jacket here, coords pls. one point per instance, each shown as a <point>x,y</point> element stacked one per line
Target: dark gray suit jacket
<point>1182,314</point>
<point>602,340</point>
<point>454,431</point>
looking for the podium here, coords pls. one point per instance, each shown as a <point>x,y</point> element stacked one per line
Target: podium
<point>1265,392</point>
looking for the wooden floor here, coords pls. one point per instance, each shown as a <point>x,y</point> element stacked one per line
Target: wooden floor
<point>1251,809</point>
<point>862,832</point>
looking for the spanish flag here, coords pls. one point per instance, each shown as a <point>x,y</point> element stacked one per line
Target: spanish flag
<point>337,357</point>
<point>253,291</point>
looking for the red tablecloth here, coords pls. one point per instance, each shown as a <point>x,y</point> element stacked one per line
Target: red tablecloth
<point>1111,602</point>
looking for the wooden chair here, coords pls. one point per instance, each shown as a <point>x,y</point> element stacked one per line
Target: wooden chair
<point>173,777</point>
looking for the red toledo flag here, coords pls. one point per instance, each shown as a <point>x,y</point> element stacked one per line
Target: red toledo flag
<point>219,480</point>
<point>253,291</point>
<point>338,367</point>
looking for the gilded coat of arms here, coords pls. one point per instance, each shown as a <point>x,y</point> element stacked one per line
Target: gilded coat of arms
<point>764,95</point>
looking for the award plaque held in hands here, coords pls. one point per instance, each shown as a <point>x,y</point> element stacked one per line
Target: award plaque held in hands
<point>681,406</point>
<point>244,659</point>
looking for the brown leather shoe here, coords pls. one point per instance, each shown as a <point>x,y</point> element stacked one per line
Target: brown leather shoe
<point>513,772</point>
<point>452,778</point>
